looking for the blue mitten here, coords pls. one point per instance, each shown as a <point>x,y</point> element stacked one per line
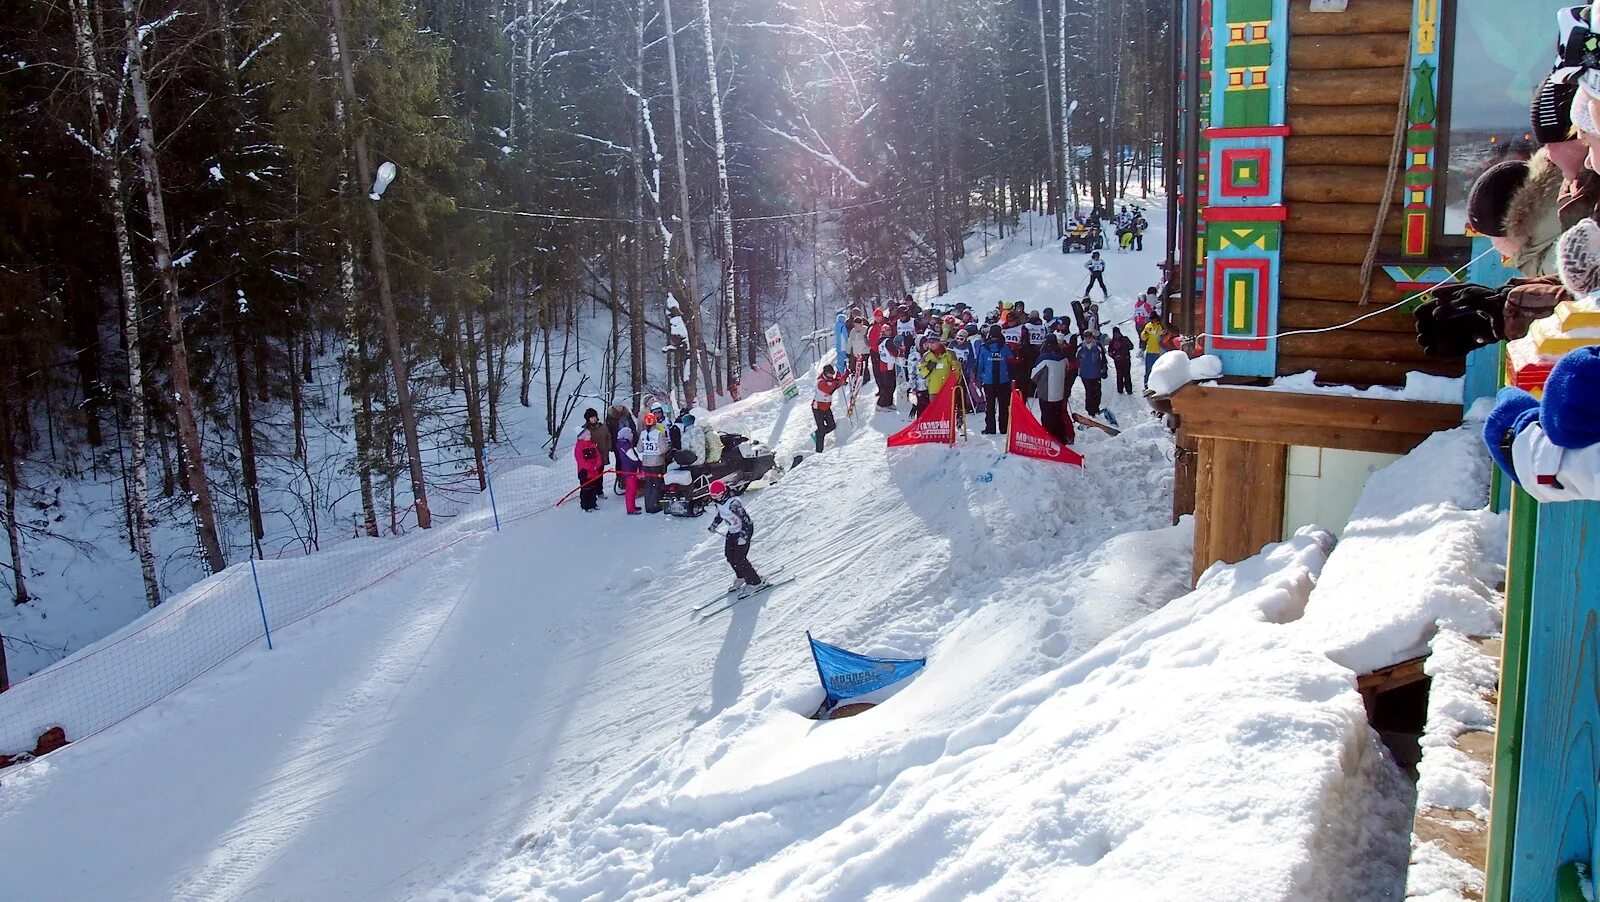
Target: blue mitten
<point>1571,412</point>
<point>1511,407</point>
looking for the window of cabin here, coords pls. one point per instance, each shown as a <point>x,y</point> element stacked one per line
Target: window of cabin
<point>1500,52</point>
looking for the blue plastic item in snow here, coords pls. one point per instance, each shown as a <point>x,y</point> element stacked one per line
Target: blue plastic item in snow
<point>841,335</point>
<point>846,674</point>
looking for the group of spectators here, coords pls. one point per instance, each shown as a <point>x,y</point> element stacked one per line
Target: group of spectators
<point>640,452</point>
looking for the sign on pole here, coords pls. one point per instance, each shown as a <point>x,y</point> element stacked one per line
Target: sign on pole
<point>781,368</point>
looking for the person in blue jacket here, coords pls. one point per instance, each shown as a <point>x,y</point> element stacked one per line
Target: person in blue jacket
<point>994,359</point>
<point>1091,370</point>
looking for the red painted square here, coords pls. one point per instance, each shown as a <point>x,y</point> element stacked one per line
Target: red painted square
<point>1220,268</point>
<point>1261,157</point>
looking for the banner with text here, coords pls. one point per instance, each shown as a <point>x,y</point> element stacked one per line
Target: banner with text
<point>1029,439</point>
<point>936,425</point>
<point>782,370</point>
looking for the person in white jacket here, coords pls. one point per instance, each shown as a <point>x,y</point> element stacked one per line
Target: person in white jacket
<point>1051,388</point>
<point>857,348</point>
<point>1097,275</point>
<point>734,522</point>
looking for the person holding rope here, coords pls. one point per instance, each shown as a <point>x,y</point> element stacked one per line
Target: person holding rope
<point>590,465</point>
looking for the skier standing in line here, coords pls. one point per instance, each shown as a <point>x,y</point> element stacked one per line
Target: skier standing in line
<point>1097,275</point>
<point>857,348</point>
<point>1091,369</point>
<point>738,529</point>
<point>822,403</point>
<point>628,468</point>
<point>618,416</point>
<point>939,366</point>
<point>994,361</point>
<point>1120,350</point>
<point>1150,336</point>
<point>652,450</point>
<point>884,362</point>
<point>1051,388</point>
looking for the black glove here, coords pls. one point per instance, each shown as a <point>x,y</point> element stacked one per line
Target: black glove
<point>1459,319</point>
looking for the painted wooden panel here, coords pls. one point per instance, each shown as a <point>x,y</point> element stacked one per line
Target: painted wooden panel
<point>1513,679</point>
<point>1244,165</point>
<point>1560,767</point>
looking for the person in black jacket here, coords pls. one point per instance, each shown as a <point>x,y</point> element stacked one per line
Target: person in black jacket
<point>618,416</point>
<point>1120,350</point>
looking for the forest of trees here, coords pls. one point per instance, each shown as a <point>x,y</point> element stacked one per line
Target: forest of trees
<point>196,230</point>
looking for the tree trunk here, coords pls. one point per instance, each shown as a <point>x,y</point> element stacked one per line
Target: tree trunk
<point>380,267</point>
<point>8,456</point>
<point>132,318</point>
<point>636,294</point>
<point>1049,122</point>
<point>724,203</point>
<point>474,399</point>
<point>247,439</point>
<point>192,455</point>
<point>695,347</point>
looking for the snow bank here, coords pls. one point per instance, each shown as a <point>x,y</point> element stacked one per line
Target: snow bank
<point>1418,387</point>
<point>1421,552</point>
<point>1196,754</point>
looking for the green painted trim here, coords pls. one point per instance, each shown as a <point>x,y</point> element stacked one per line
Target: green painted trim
<point>1570,882</point>
<point>1513,683</point>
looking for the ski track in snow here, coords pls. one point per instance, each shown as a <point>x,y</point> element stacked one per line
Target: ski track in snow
<point>539,715</point>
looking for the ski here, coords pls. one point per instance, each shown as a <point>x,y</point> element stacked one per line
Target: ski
<point>733,598</point>
<point>1090,422</point>
<point>731,591</point>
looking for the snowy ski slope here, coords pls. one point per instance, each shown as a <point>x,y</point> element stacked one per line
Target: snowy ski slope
<point>534,714</point>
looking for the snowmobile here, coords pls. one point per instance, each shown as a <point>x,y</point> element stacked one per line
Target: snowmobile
<point>686,490</point>
<point>1082,240</point>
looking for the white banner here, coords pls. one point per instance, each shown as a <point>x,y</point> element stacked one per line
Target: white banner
<point>781,368</point>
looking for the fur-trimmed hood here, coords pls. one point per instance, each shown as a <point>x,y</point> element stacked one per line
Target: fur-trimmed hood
<point>1533,220</point>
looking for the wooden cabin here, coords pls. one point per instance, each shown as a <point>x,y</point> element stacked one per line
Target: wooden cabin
<point>1318,136</point>
<point>1313,142</point>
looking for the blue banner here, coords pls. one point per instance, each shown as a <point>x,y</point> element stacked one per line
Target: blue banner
<point>841,336</point>
<point>846,674</point>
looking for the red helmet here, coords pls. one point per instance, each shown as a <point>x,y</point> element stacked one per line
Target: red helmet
<point>719,490</point>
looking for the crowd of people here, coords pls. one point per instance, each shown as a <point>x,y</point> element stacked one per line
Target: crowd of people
<point>911,353</point>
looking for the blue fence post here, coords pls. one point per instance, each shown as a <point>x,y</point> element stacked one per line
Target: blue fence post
<point>261,603</point>
<point>488,477</point>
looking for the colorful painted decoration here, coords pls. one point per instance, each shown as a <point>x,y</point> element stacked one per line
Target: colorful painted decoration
<point>1422,138</point>
<point>1244,210</point>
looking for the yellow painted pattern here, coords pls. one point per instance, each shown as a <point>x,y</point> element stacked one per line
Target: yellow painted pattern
<point>1427,27</point>
<point>1239,298</point>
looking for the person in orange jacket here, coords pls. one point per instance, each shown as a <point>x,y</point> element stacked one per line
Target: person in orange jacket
<point>822,403</point>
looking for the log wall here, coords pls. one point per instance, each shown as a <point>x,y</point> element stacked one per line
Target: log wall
<point>1345,78</point>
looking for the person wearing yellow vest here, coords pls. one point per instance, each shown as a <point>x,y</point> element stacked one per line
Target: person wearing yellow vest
<point>939,364</point>
<point>1150,339</point>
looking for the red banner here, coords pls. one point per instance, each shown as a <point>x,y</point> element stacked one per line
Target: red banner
<point>936,425</point>
<point>1029,439</point>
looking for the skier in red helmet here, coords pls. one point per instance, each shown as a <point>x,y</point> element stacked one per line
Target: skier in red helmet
<point>735,524</point>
